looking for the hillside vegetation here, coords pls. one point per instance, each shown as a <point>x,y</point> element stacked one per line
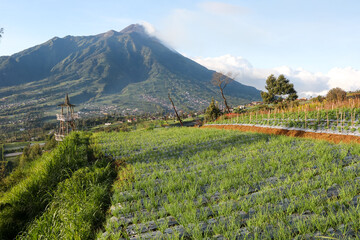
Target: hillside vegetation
<point>115,71</point>
<point>207,183</point>
<point>63,193</point>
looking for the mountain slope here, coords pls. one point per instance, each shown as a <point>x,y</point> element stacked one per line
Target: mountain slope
<point>126,70</point>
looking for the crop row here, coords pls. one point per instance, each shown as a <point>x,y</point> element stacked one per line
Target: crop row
<point>213,178</point>
<point>345,120</point>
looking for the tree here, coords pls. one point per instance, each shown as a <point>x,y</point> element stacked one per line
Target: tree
<point>277,89</point>
<point>212,111</point>
<point>269,97</point>
<point>221,80</point>
<point>336,94</point>
<point>1,32</point>
<point>177,115</point>
<point>319,99</point>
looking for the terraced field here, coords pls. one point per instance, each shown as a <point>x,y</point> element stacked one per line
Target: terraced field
<point>339,120</point>
<point>214,184</point>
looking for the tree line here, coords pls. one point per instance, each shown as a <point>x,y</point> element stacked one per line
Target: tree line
<point>279,91</point>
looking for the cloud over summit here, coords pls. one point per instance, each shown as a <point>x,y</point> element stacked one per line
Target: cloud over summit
<point>305,82</point>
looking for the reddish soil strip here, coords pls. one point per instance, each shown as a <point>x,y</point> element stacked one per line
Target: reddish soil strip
<point>335,138</point>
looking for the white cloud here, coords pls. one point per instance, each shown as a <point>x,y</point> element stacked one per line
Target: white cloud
<point>306,83</point>
<point>225,63</point>
<point>220,8</point>
<point>175,28</point>
<point>149,28</point>
<point>347,78</point>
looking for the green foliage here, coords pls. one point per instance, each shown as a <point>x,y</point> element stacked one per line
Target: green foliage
<point>319,99</point>
<point>239,185</point>
<point>2,152</point>
<point>90,64</point>
<point>336,94</point>
<point>28,198</point>
<point>12,179</point>
<point>30,153</point>
<point>277,88</point>
<point>212,111</point>
<point>78,206</point>
<point>269,97</point>
<point>3,169</point>
<point>316,119</point>
<point>50,143</point>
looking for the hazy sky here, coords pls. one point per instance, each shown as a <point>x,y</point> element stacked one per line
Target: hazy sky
<point>315,43</point>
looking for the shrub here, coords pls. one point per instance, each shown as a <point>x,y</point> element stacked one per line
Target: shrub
<point>336,94</point>
<point>212,112</point>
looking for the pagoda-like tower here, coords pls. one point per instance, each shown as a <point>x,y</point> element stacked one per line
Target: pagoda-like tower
<point>67,119</point>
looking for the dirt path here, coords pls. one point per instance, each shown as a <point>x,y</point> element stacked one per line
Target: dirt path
<point>336,138</point>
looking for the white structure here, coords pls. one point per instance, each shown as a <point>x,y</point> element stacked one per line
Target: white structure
<point>67,119</point>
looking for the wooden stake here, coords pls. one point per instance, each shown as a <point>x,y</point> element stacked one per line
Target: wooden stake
<point>318,115</point>
<point>341,122</point>
<point>337,118</point>
<point>327,118</point>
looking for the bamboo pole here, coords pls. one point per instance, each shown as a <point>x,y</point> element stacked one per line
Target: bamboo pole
<point>318,114</point>
<point>298,115</point>
<point>327,118</point>
<point>337,118</point>
<point>341,122</point>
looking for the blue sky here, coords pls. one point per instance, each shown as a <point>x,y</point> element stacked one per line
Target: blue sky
<point>310,41</point>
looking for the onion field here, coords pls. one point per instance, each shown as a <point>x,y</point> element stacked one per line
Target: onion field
<point>192,183</point>
<point>340,120</point>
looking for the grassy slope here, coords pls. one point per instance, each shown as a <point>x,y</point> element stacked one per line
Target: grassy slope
<point>27,199</point>
<point>78,206</point>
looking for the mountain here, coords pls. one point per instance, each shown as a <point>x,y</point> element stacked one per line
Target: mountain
<point>124,71</point>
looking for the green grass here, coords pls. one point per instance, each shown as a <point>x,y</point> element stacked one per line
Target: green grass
<point>27,198</point>
<point>78,206</point>
<point>216,182</point>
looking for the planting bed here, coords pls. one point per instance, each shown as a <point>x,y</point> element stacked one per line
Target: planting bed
<point>344,120</point>
<point>328,136</point>
<point>209,183</point>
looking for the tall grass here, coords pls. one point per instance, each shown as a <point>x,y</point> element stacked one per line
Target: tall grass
<point>78,206</point>
<point>26,200</point>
